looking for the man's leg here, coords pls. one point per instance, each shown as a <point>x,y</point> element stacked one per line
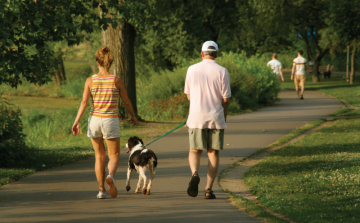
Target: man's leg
<point>213,166</point>
<point>196,138</point>
<point>194,160</point>
<point>302,85</point>
<point>296,83</point>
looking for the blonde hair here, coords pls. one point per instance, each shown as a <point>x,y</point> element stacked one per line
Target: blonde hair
<point>104,57</point>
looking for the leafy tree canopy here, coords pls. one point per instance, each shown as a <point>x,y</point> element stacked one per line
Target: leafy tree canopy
<point>27,26</point>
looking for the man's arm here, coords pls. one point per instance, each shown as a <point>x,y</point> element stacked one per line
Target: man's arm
<point>226,104</point>
<point>281,75</point>
<point>293,70</point>
<point>188,96</point>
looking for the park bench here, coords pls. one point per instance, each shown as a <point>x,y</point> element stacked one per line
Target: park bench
<point>325,70</point>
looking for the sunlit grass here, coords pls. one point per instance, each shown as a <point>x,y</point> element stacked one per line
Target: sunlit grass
<point>314,179</point>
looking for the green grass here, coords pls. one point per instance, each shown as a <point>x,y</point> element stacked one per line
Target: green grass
<point>76,73</point>
<point>314,179</point>
<point>42,105</point>
<point>253,209</point>
<point>293,135</point>
<point>340,112</point>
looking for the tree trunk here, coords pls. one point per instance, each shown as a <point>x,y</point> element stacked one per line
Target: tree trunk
<point>347,63</point>
<point>319,53</point>
<point>315,71</point>
<point>121,43</point>
<point>352,71</point>
<point>60,76</point>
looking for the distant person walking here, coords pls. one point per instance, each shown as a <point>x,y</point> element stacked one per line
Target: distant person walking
<point>104,89</point>
<point>298,74</point>
<point>207,87</point>
<point>276,66</point>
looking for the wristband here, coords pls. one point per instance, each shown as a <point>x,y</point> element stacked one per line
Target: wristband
<point>77,123</point>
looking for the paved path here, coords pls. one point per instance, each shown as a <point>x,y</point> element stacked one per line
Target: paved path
<point>68,194</point>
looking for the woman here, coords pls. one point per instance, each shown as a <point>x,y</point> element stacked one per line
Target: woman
<point>103,123</point>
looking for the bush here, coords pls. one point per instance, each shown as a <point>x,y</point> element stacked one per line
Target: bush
<point>12,139</point>
<point>252,85</point>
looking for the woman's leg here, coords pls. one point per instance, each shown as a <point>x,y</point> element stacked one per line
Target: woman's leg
<point>113,146</point>
<point>98,144</point>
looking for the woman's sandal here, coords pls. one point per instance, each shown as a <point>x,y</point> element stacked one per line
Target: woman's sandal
<point>212,195</point>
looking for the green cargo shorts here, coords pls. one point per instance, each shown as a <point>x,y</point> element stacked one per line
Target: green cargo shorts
<point>203,139</point>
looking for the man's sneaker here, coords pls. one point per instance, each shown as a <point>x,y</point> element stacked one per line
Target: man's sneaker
<point>112,187</point>
<point>101,195</point>
<point>302,97</point>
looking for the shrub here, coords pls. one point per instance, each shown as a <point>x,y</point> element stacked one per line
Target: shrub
<point>252,85</point>
<point>12,139</point>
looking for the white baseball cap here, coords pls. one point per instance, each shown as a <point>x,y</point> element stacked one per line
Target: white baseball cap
<point>205,46</point>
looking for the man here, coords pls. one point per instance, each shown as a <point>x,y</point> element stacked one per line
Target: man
<point>298,74</point>
<point>276,67</point>
<point>207,87</point>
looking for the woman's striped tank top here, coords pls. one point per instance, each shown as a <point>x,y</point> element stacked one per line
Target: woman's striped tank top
<point>104,97</point>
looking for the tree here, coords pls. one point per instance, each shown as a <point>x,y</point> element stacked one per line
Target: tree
<point>171,31</point>
<point>27,26</point>
<point>305,17</point>
<point>343,28</point>
<point>119,36</point>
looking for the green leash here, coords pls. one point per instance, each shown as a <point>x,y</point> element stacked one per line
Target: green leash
<point>167,133</point>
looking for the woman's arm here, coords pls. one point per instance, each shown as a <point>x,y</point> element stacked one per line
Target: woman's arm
<point>83,105</point>
<point>119,83</point>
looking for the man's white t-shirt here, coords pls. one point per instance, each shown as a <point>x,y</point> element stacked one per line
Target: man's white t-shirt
<point>275,65</point>
<point>300,63</point>
<point>207,83</point>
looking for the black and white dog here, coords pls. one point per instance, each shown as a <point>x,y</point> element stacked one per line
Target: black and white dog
<point>140,159</point>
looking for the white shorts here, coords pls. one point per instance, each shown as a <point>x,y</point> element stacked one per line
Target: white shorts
<point>108,128</point>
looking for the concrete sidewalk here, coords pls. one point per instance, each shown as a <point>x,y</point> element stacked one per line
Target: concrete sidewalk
<point>68,194</point>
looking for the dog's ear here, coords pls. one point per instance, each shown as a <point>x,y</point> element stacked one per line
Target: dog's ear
<point>140,140</point>
<point>131,142</point>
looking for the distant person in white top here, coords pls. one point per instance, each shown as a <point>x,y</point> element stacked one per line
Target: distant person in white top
<point>298,74</point>
<point>207,86</point>
<point>276,66</point>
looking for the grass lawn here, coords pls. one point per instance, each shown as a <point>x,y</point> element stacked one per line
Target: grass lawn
<point>315,179</point>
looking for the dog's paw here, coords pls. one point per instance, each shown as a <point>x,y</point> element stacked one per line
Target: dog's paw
<point>144,191</point>
<point>147,192</point>
<point>137,191</point>
<point>128,188</point>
